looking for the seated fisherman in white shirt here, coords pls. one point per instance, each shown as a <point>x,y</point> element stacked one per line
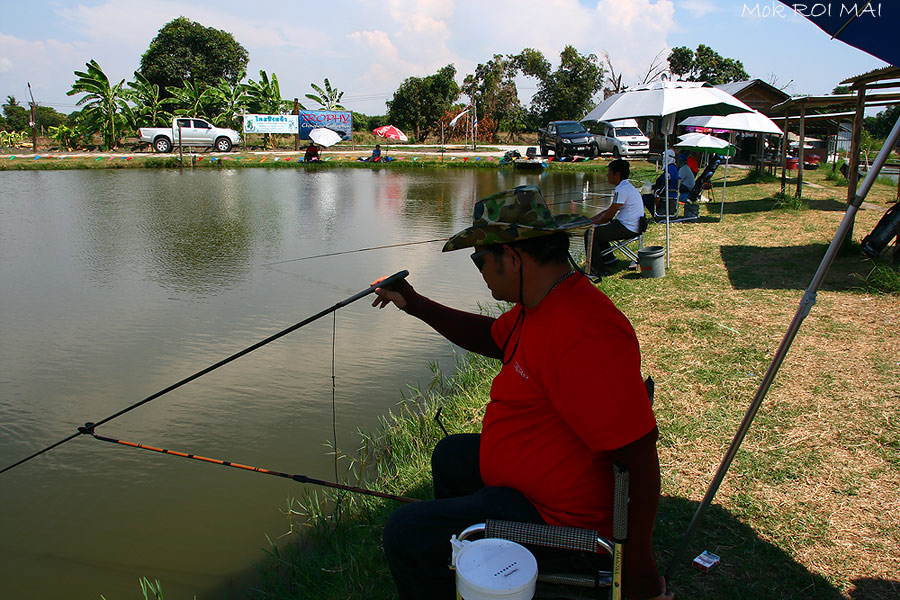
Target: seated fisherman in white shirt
<point>618,222</point>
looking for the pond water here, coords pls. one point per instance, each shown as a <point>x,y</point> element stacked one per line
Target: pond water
<point>114,284</point>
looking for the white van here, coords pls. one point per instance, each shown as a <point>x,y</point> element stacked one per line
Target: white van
<point>621,138</point>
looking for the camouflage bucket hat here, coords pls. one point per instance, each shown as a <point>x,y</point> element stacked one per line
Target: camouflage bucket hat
<point>516,214</point>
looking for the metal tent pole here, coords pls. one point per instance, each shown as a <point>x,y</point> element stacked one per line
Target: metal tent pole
<point>806,304</point>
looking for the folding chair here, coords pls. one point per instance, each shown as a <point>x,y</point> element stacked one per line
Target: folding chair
<point>591,585</point>
<point>623,244</point>
<point>691,206</point>
<point>572,538</point>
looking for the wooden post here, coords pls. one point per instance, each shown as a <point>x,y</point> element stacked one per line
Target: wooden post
<point>802,153</point>
<point>853,173</point>
<point>180,150</point>
<point>297,135</point>
<point>855,143</point>
<point>784,149</point>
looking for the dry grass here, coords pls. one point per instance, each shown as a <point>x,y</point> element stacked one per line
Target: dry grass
<point>818,475</point>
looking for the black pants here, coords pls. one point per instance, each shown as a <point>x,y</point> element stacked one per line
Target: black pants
<point>417,536</point>
<point>603,235</point>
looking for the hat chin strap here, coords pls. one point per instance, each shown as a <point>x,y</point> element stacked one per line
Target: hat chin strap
<point>520,318</point>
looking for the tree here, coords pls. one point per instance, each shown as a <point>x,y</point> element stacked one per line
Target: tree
<point>102,102</point>
<point>568,92</point>
<point>705,65</point>
<point>227,102</point>
<point>17,116</point>
<point>46,117</point>
<point>264,97</point>
<point>186,51</point>
<point>493,89</point>
<point>149,109</point>
<point>681,62</point>
<point>191,99</point>
<point>881,124</point>
<point>420,102</point>
<point>329,98</point>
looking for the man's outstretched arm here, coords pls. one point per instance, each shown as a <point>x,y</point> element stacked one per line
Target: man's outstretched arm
<point>467,330</point>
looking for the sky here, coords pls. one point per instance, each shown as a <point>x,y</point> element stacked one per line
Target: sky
<point>366,49</point>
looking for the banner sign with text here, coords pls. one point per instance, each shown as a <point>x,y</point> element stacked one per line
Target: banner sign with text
<point>337,120</point>
<point>270,124</point>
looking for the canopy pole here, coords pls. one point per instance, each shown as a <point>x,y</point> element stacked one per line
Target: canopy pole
<point>806,304</point>
<point>724,183</point>
<point>665,163</point>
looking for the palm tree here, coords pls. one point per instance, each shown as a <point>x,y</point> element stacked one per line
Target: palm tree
<point>147,97</point>
<point>101,100</point>
<point>329,98</point>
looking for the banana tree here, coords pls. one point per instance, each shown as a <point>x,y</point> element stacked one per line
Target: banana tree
<point>228,102</point>
<point>102,102</point>
<point>264,97</point>
<point>329,98</point>
<point>191,100</point>
<point>148,109</point>
<point>65,137</point>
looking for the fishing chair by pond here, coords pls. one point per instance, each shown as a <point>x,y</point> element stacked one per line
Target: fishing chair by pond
<point>691,199</point>
<point>622,246</point>
<point>557,581</point>
<point>581,584</point>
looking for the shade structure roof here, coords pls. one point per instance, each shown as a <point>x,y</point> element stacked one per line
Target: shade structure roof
<point>752,121</point>
<point>869,26</point>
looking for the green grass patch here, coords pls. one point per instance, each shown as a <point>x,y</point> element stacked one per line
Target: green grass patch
<point>882,279</point>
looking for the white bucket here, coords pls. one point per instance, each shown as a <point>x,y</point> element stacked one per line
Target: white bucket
<point>492,568</point>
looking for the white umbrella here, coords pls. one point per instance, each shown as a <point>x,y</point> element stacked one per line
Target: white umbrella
<point>666,99</point>
<point>705,143</point>
<point>324,136</point>
<point>755,122</point>
<point>702,142</point>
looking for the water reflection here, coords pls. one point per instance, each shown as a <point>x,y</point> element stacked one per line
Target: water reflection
<point>115,284</point>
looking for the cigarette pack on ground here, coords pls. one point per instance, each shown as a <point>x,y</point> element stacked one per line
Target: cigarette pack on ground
<point>706,561</point>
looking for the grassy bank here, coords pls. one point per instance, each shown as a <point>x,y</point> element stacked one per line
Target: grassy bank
<point>811,505</point>
<point>400,158</point>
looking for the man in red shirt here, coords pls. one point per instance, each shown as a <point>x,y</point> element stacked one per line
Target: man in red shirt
<point>550,432</point>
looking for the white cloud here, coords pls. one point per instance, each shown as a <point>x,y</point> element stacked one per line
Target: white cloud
<point>43,63</point>
<point>699,8</point>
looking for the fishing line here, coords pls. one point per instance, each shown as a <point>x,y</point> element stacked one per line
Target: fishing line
<point>329,254</point>
<point>81,430</point>
<point>281,262</point>
<point>88,428</point>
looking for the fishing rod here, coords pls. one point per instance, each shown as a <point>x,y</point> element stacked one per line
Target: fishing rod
<point>386,283</point>
<point>88,429</point>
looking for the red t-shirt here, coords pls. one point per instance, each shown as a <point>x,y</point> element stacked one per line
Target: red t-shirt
<point>572,393</point>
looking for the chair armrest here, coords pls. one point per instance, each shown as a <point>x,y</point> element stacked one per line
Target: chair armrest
<point>569,538</point>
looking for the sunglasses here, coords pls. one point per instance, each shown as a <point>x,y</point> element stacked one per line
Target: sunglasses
<point>478,258</point>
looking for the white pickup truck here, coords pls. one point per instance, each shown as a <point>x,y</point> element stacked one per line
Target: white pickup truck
<point>189,132</point>
<point>621,138</point>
